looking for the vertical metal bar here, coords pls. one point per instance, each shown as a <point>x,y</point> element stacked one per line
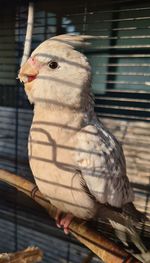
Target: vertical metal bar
<point>84,18</point>
<point>111,60</point>
<point>45,25</point>
<point>28,38</point>
<point>16,153</point>
<point>59,29</point>
<point>68,252</point>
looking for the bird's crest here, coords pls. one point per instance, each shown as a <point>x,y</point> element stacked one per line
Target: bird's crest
<point>74,40</point>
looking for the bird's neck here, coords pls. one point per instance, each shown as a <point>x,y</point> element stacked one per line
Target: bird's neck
<point>66,117</point>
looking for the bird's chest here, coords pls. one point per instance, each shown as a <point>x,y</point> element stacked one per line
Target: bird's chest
<point>51,155</point>
<point>50,152</point>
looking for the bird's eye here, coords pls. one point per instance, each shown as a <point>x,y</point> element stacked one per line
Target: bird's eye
<point>53,64</point>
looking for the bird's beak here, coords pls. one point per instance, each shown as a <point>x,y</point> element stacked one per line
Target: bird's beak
<point>28,72</point>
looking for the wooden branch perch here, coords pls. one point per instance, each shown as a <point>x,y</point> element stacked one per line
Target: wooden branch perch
<point>102,247</point>
<point>29,255</point>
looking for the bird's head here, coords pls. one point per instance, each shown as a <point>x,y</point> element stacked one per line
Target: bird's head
<point>56,73</point>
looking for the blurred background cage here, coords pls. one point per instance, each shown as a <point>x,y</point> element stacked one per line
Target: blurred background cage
<point>120,60</point>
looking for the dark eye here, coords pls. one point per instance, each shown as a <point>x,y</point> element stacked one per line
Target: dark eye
<point>53,64</point>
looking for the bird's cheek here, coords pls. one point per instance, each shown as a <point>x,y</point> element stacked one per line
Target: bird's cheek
<point>28,86</point>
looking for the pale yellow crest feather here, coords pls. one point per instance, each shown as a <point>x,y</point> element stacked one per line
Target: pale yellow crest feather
<point>74,40</point>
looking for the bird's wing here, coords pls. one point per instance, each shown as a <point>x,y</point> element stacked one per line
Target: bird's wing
<point>102,165</point>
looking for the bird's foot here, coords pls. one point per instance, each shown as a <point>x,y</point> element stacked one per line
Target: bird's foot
<point>63,220</point>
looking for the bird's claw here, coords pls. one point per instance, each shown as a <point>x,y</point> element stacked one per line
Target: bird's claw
<point>63,220</point>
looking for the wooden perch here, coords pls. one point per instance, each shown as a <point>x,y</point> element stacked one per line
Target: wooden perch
<point>29,255</point>
<point>96,242</point>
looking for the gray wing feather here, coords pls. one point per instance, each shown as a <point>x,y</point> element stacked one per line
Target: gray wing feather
<point>102,163</point>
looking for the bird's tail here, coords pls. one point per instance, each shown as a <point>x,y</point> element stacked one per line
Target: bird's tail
<point>128,233</point>
<point>127,224</point>
<point>130,210</point>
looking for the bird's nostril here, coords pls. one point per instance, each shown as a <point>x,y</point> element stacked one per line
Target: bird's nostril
<point>31,61</point>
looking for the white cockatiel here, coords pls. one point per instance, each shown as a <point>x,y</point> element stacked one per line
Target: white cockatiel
<point>77,163</point>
